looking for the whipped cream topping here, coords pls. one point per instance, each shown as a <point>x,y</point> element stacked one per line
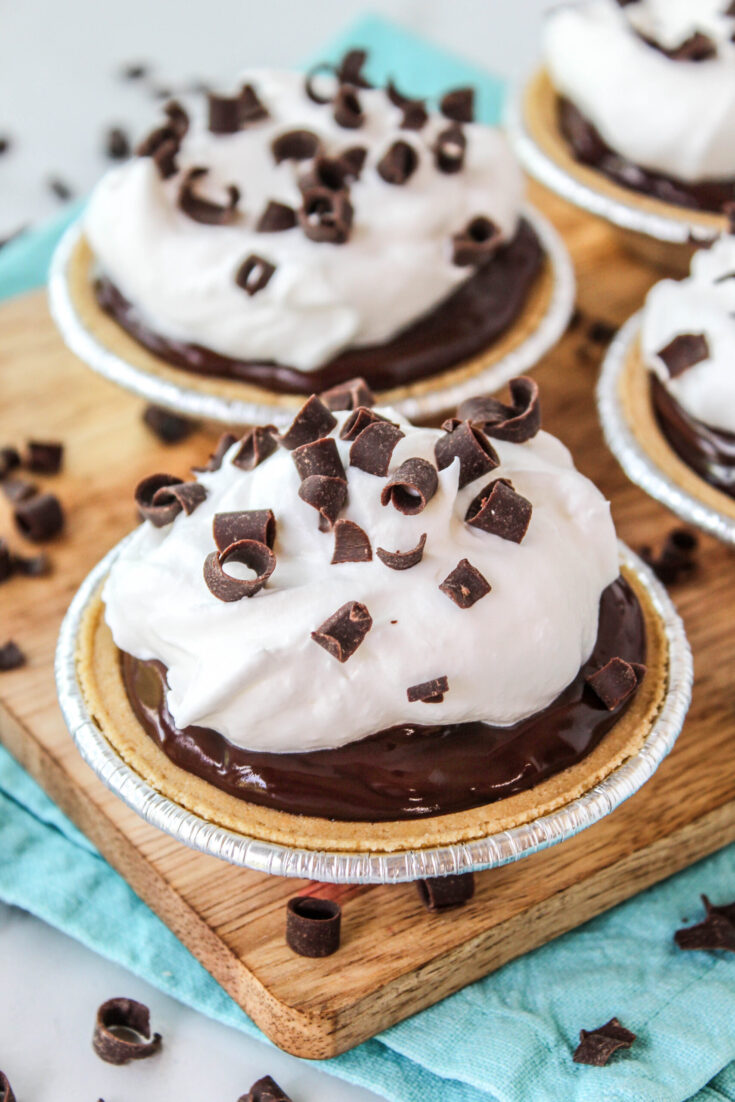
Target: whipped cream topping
<point>704,302</point>
<point>673,117</point>
<point>395,267</point>
<point>251,670</point>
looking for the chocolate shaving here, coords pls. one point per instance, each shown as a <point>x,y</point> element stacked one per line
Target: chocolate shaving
<point>352,161</point>
<point>450,149</point>
<point>225,442</point>
<point>311,422</point>
<point>499,510</point>
<point>411,487</point>
<point>136,70</point>
<point>40,517</point>
<point>398,164</point>
<point>122,1032</point>
<point>469,444</point>
<point>349,70</point>
<point>178,119</point>
<point>11,657</point>
<point>351,543</point>
<point>313,926</point>
<point>6,1091</point>
<point>614,682</point>
<point>18,489</point>
<point>224,113</point>
<point>252,109</point>
<point>403,560</point>
<point>256,445</point>
<point>159,513</point>
<point>9,460</point>
<point>477,243</point>
<point>187,494</point>
<point>162,144</point>
<point>465,585</point>
<point>415,115</point>
<point>349,395</point>
<point>325,172</point>
<point>596,1046</point>
<point>698,47</point>
<point>254,274</point>
<point>684,351</point>
<point>343,631</point>
<point>428,692</point>
<point>276,218</point>
<point>347,110</point>
<point>204,210</point>
<point>250,524</point>
<point>444,893</point>
<point>515,423</point>
<point>677,557</point>
<point>251,553</point>
<point>373,448</point>
<point>60,188</point>
<point>458,104</point>
<point>295,145</point>
<point>117,144</point>
<point>326,215</point>
<point>310,82</point>
<point>319,457</point>
<point>265,1090</point>
<point>44,456</point>
<point>325,494</point>
<point>34,566</point>
<point>717,932</point>
<point>358,420</point>
<point>168,426</point>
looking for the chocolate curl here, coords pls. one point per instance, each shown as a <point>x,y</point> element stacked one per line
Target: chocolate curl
<point>351,395</point>
<point>450,149</point>
<point>6,1091</point>
<point>276,218</point>
<point>351,543</point>
<point>463,441</point>
<point>615,681</point>
<point>159,513</point>
<point>347,110</point>
<point>515,423</point>
<point>9,460</point>
<point>204,210</point>
<point>251,553</point>
<point>319,457</point>
<point>44,456</point>
<point>698,47</point>
<point>597,1045</point>
<point>225,442</point>
<point>349,70</point>
<point>311,422</point>
<point>178,119</point>
<point>465,585</point>
<point>252,109</point>
<point>500,511</point>
<point>265,1090</point>
<point>358,420</point>
<point>313,926</point>
<point>39,518</point>
<point>224,113</point>
<point>187,494</point>
<point>116,1020</point>
<point>310,83</point>
<point>428,692</point>
<point>168,426</point>
<point>326,215</point>
<point>254,274</point>
<point>398,164</point>
<point>327,495</point>
<point>11,658</point>
<point>295,145</point>
<point>415,115</point>
<point>325,172</point>
<point>162,145</point>
<point>684,351</point>
<point>444,893</point>
<point>411,487</point>
<point>251,524</point>
<point>256,445</point>
<point>477,243</point>
<point>403,560</point>
<point>458,104</point>
<point>343,632</point>
<point>373,448</point>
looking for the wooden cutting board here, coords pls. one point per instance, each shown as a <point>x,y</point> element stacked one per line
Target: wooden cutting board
<point>395,957</point>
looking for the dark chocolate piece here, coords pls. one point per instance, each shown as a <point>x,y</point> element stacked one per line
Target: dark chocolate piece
<point>349,70</point>
<point>6,1091</point>
<point>18,489</point>
<point>428,692</point>
<point>477,243</point>
<point>319,457</point>
<point>276,218</point>
<point>444,893</point>
<point>515,423</point>
<point>373,447</point>
<point>351,543</point>
<point>9,460</point>
<point>40,517</point>
<point>411,487</point>
<point>256,445</point>
<point>458,104</point>
<point>117,144</point>
<point>251,553</point>
<point>358,420</point>
<point>715,933</point>
<point>187,494</point>
<point>348,395</point>
<point>352,161</point>
<point>499,510</point>
<point>11,657</point>
<point>465,585</point>
<point>346,108</point>
<point>311,422</point>
<point>614,682</point>
<point>325,494</point>
<point>325,215</point>
<point>224,113</point>
<point>254,274</point>
<point>225,442</point>
<point>596,1046</point>
<point>313,926</point>
<point>122,1032</point>
<point>295,145</point>
<point>685,350</point>
<point>169,427</point>
<point>450,149</point>
<point>44,456</point>
<point>265,1090</point>
<point>415,115</point>
<point>250,524</point>
<point>677,557</point>
<point>310,83</point>
<point>159,513</point>
<point>399,163</point>
<point>343,631</point>
<point>403,560</point>
<point>203,210</point>
<point>60,188</point>
<point>469,444</point>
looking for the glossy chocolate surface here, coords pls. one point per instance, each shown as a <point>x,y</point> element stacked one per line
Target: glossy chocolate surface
<point>710,452</point>
<point>405,772</point>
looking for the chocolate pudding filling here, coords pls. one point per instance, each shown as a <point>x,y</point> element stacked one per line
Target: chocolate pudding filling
<point>591,149</point>
<point>408,771</point>
<point>710,452</point>
<point>464,324</point>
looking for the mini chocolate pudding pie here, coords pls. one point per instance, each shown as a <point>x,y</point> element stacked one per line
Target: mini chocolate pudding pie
<point>302,231</point>
<point>364,635</point>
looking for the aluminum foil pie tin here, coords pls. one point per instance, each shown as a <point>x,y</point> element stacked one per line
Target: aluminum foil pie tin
<point>374,868</point>
<point>191,402</point>
<point>635,461</point>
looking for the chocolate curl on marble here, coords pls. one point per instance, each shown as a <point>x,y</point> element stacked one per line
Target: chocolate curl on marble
<point>351,395</point>
<point>312,421</point>
<point>204,210</point>
<point>596,1046</point>
<point>343,632</point>
<point>616,681</point>
<point>349,70</point>
<point>122,1032</point>
<point>254,274</point>
<point>310,83</point>
<point>358,420</point>
<point>500,511</point>
<point>677,557</point>
<point>276,218</point>
<point>313,926</point>
<point>256,445</point>
<point>168,426</point>
<point>326,215</point>
<point>346,108</point>
<point>9,460</point>
<point>250,524</point>
<point>177,117</point>
<point>159,513</point>
<point>251,553</point>
<point>39,518</point>
<point>411,487</point>
<point>319,457</point>
<point>11,658</point>
<point>444,893</point>
<point>415,115</point>
<point>44,456</point>
<point>372,450</point>
<point>458,104</point>
<point>265,1090</point>
<point>450,149</point>
<point>18,489</point>
<point>351,543</point>
<point>325,494</point>
<point>6,1091</point>
<point>398,164</point>
<point>465,442</point>
<point>684,351</point>
<point>717,932</point>
<point>428,692</point>
<point>352,161</point>
<point>465,585</point>
<point>225,442</point>
<point>477,243</point>
<point>403,560</point>
<point>252,108</point>
<point>295,145</point>
<point>514,423</point>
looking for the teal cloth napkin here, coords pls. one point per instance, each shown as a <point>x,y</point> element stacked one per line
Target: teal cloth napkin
<point>508,1038</point>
